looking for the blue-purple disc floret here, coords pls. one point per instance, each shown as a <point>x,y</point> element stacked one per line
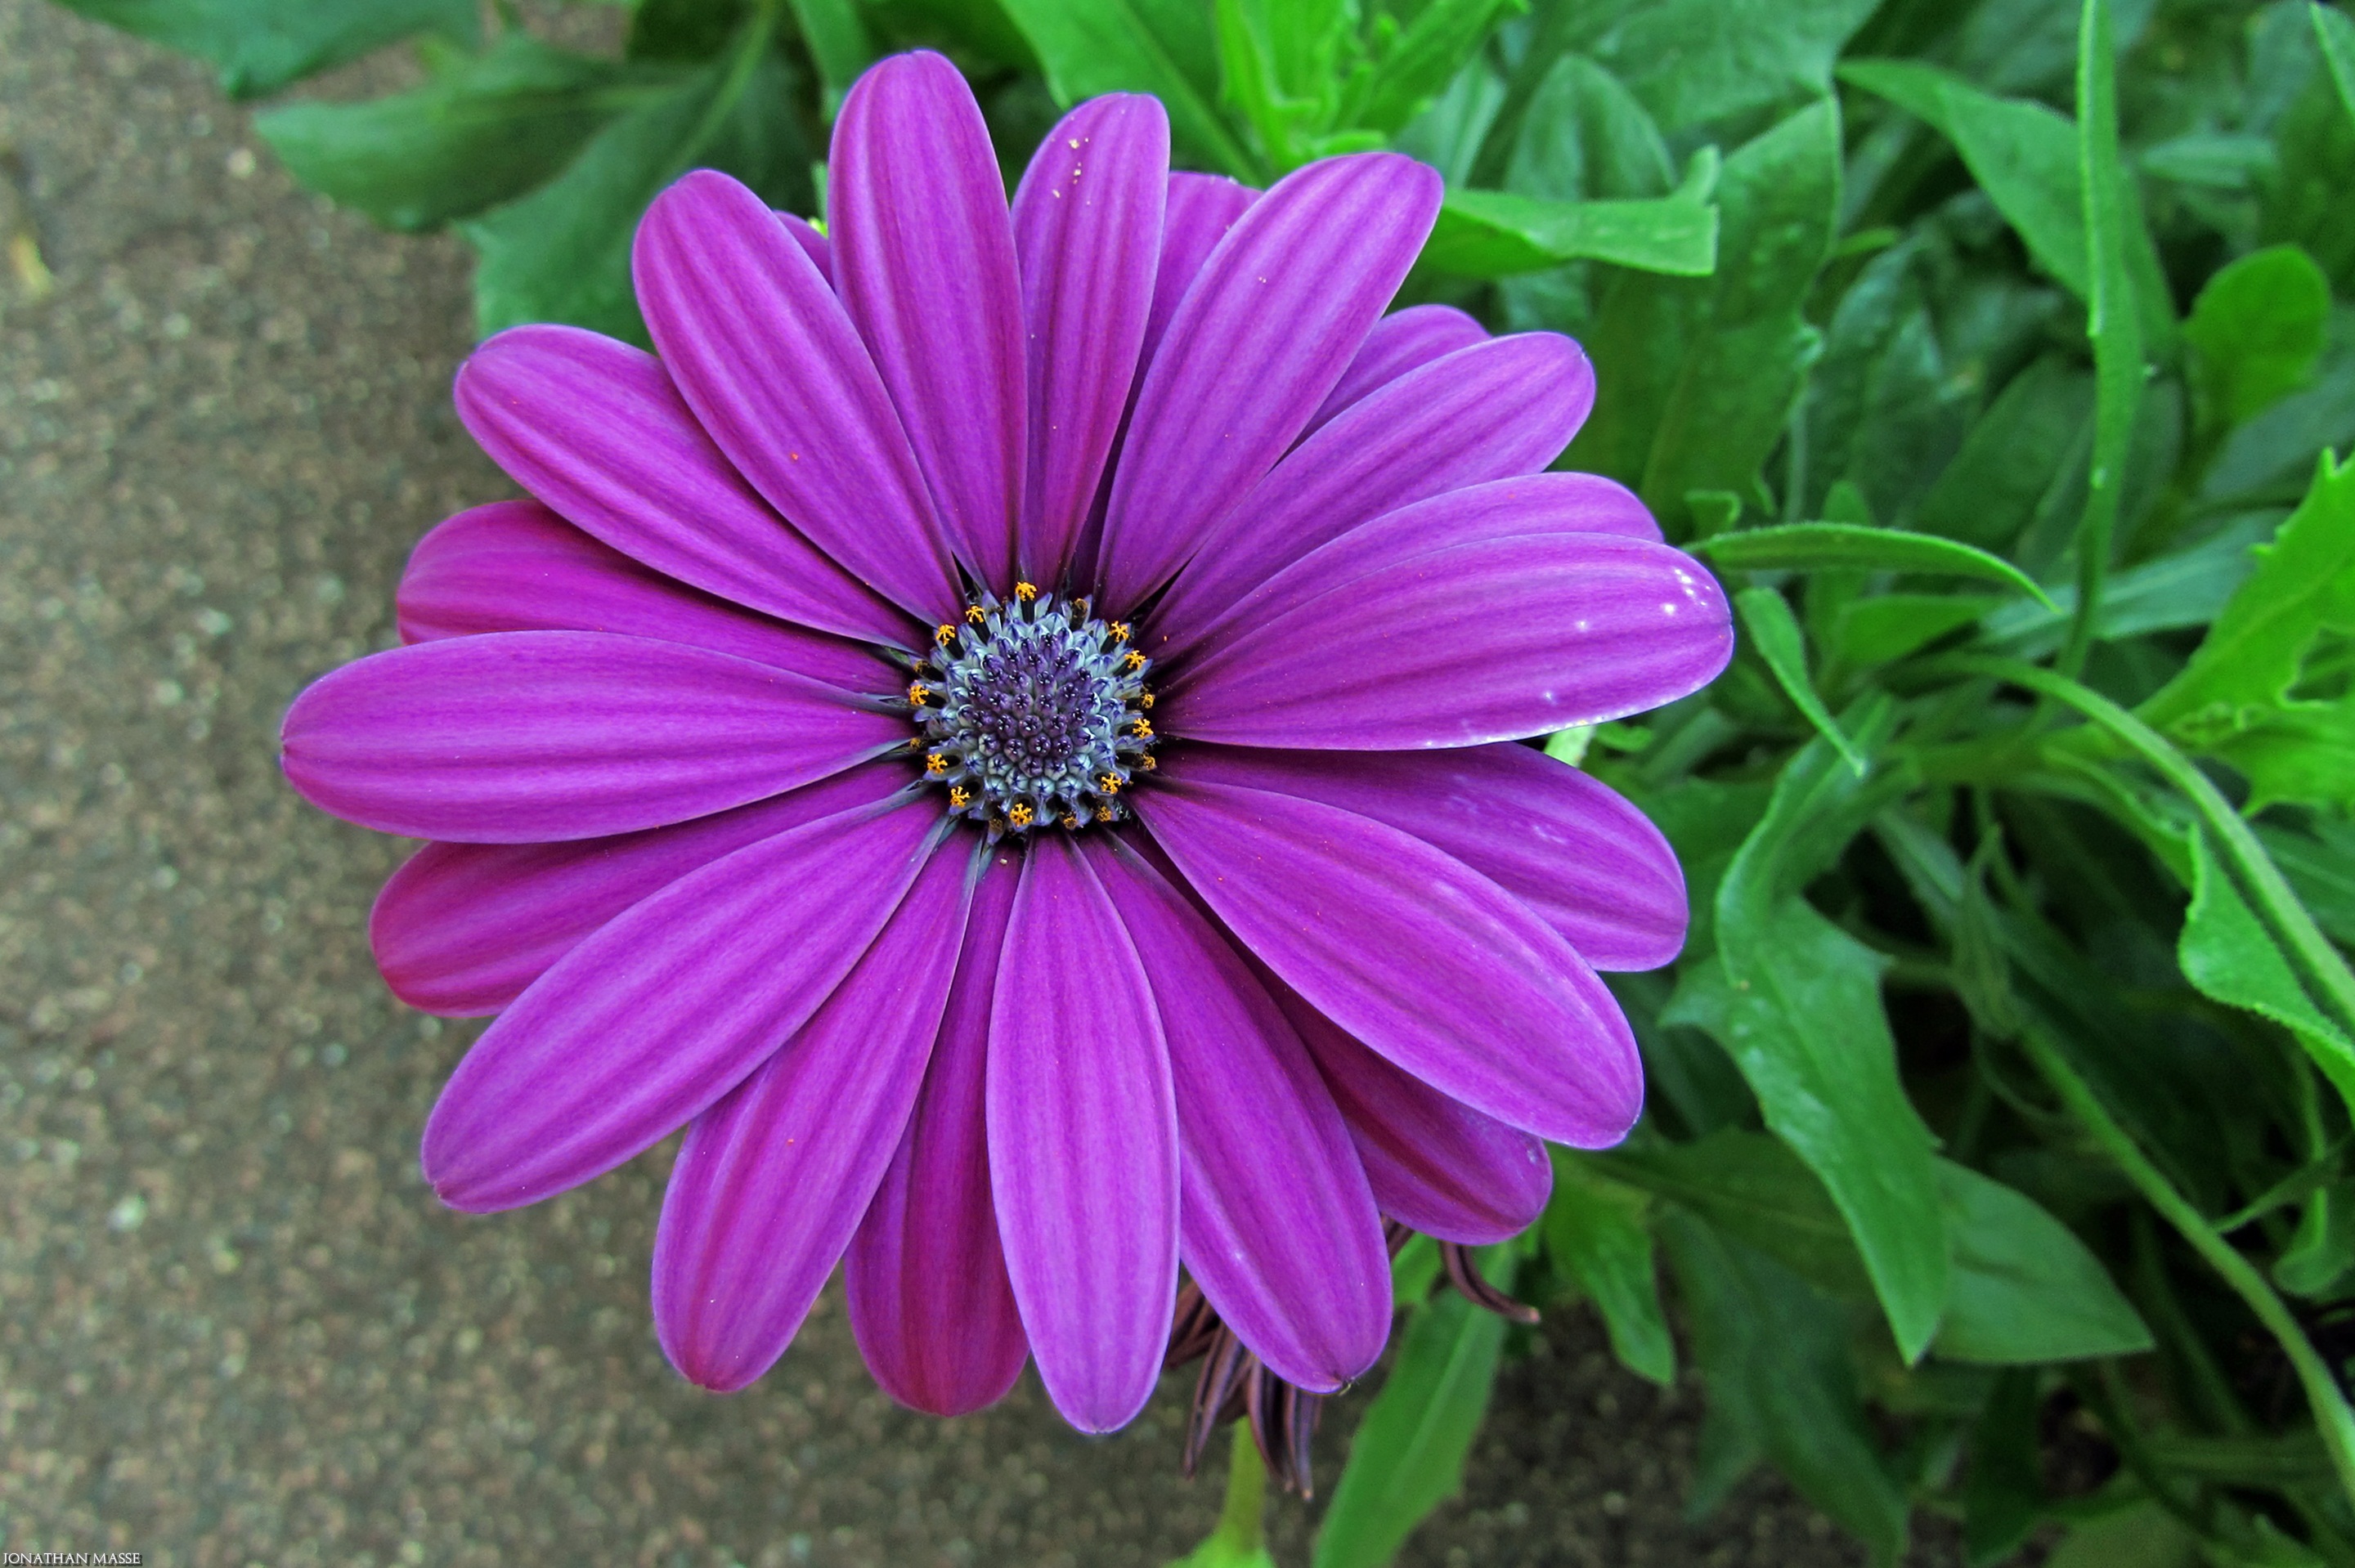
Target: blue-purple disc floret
<point>1033,712</point>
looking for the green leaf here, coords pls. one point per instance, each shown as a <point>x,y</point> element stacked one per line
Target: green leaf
<point>2320,865</point>
<point>1707,62</point>
<point>1596,1232</point>
<point>2322,1250</point>
<point>1774,635</point>
<point>2336,33</point>
<point>2235,699</point>
<point>2023,154</point>
<point>2189,587</point>
<point>1753,1189</point>
<point>2025,1289</point>
<point>2143,1536</point>
<point>1887,627</point>
<point>1884,410</point>
<point>482,129</point>
<point>2003,1488</point>
<point>2227,953</point>
<point>563,254</point>
<point>1819,547</point>
<point>1166,47</point>
<point>2031,442</point>
<point>1495,234</point>
<point>1407,1454</point>
<point>1796,1002</point>
<point>1419,61</point>
<point>2256,330</point>
<point>259,45</point>
<point>1704,372</point>
<point>683,30</point>
<point>1774,1357</point>
<point>1414,1270</point>
<point>839,46</point>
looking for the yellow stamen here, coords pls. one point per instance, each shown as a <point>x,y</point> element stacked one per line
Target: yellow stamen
<point>1105,814</point>
<point>1020,815</point>
<point>1148,762</point>
<point>1120,632</point>
<point>936,764</point>
<point>917,692</point>
<point>958,799</point>
<point>945,634</point>
<point>976,614</point>
<point>1144,699</point>
<point>1134,662</point>
<point>1026,592</point>
<point>1070,820</point>
<point>1144,727</point>
<point>1109,783</point>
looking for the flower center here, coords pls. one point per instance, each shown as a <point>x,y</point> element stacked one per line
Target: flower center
<point>1032,713</point>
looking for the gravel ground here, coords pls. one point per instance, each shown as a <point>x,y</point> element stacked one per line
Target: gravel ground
<point>234,1326</point>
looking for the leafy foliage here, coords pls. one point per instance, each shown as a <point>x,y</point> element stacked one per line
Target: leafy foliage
<point>2000,354</point>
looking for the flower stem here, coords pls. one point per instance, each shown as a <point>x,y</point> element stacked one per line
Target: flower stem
<point>2332,1417</point>
<point>1240,1540</point>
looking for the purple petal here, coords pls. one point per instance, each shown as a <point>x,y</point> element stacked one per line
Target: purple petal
<point>515,565</point>
<point>1263,335</point>
<point>1435,1164</point>
<point>1083,1142</point>
<point>1402,341</point>
<point>1201,208</point>
<point>930,1302</point>
<point>461,929</point>
<point>1486,641</point>
<point>771,1181</point>
<point>641,1028</point>
<point>762,351</point>
<point>813,241</point>
<point>1087,225</point>
<point>1499,409</point>
<point>1278,1225</point>
<point>1589,865</point>
<point>923,259</point>
<point>525,736</point>
<point>1422,958</point>
<point>595,430</point>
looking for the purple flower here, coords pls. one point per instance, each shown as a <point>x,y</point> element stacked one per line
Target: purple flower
<point>1004,732</point>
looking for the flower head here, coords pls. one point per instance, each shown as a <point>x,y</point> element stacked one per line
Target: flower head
<point>1003,730</point>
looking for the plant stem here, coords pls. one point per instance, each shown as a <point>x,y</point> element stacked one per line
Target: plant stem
<point>2332,1417</point>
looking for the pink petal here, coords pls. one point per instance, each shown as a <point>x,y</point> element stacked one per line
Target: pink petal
<point>923,259</point>
<point>772,1181</point>
<point>1278,1225</point>
<point>1402,341</point>
<point>1087,225</point>
<point>644,1026</point>
<point>1083,1142</point>
<point>930,1302</point>
<point>525,736</point>
<point>762,351</point>
<point>596,430</point>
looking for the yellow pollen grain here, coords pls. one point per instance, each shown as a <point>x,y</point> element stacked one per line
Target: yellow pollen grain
<point>1108,782</point>
<point>1020,815</point>
<point>976,614</point>
<point>1026,591</point>
<point>936,765</point>
<point>1070,820</point>
<point>1134,662</point>
<point>958,799</point>
<point>1104,814</point>
<point>916,693</point>
<point>1148,762</point>
<point>945,634</point>
<point>1120,632</point>
<point>1144,727</point>
<point>1144,700</point>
